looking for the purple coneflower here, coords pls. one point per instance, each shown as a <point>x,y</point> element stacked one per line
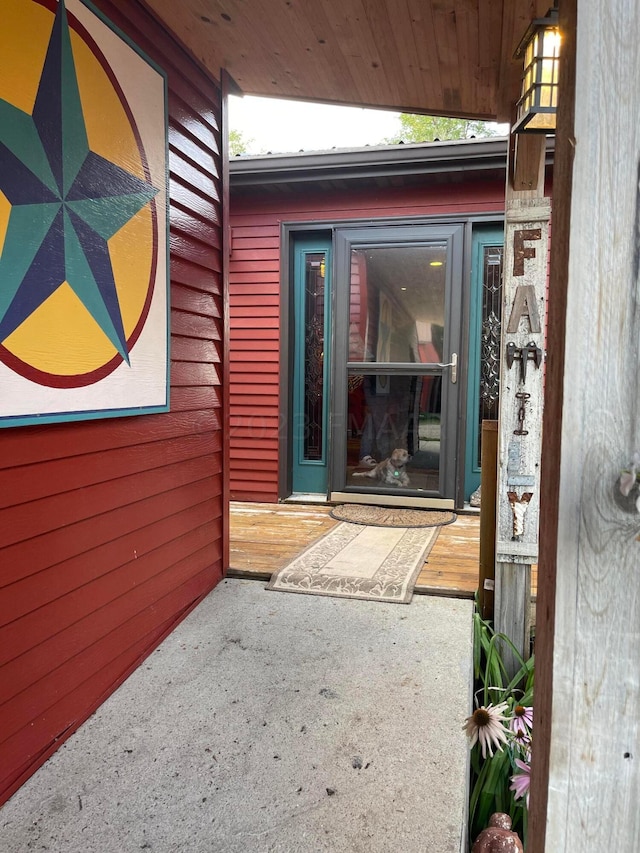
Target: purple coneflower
<point>522,740</point>
<point>521,781</point>
<point>486,726</point>
<point>522,720</point>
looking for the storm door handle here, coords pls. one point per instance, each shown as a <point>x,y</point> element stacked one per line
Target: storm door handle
<point>453,364</point>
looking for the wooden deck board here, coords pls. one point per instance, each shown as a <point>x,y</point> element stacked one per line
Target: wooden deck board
<point>452,565</point>
<point>264,537</point>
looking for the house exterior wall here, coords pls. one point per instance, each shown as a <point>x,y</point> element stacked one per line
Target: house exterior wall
<point>111,530</point>
<point>256,292</point>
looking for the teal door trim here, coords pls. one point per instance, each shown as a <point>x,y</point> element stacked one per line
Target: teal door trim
<point>483,236</point>
<point>310,475</point>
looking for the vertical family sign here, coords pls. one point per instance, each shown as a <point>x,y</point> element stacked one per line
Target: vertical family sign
<point>522,379</point>
<point>83,218</point>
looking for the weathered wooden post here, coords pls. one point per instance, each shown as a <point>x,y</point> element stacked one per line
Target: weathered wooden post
<point>521,391</point>
<point>586,747</point>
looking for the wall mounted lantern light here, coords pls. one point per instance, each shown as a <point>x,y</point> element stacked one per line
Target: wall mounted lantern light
<point>540,48</point>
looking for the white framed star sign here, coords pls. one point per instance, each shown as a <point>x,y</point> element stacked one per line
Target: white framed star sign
<point>83,218</point>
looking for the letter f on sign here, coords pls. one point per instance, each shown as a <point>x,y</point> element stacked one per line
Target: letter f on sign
<point>520,251</point>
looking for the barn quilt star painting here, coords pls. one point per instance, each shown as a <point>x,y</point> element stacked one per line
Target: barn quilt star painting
<point>83,218</point>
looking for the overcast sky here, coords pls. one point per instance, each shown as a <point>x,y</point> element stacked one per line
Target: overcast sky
<point>276,126</point>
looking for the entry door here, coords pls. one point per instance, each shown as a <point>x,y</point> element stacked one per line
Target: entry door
<point>312,325</point>
<point>397,327</point>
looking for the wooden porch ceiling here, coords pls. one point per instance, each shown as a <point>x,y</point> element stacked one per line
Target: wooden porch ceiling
<point>447,57</point>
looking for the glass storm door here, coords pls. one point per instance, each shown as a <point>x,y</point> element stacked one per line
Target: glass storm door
<point>312,310</point>
<point>397,327</point>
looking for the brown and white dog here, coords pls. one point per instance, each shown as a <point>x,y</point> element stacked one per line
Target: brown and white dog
<point>391,471</point>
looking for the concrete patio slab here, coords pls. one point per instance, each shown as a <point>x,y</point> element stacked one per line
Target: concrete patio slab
<point>270,722</point>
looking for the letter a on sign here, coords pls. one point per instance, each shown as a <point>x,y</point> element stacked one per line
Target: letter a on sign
<point>524,305</point>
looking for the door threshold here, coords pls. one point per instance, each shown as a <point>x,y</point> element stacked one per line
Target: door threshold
<point>392,500</point>
<point>305,498</point>
<point>467,509</point>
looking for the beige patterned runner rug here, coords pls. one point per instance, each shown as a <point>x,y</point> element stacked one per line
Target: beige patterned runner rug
<point>353,561</point>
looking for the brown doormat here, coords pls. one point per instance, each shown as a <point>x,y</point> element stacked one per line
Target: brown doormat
<point>383,516</point>
<point>352,561</point>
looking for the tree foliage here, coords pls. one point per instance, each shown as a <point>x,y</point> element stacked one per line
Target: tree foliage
<point>419,128</point>
<point>238,144</point>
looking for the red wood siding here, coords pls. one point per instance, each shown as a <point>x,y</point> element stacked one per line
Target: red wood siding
<point>111,531</point>
<point>254,300</point>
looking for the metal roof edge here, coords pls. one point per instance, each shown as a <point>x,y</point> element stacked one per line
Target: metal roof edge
<point>375,161</point>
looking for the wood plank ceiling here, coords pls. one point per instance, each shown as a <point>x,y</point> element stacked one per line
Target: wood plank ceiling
<point>447,57</point>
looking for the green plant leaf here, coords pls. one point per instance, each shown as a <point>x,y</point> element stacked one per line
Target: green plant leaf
<point>491,777</point>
